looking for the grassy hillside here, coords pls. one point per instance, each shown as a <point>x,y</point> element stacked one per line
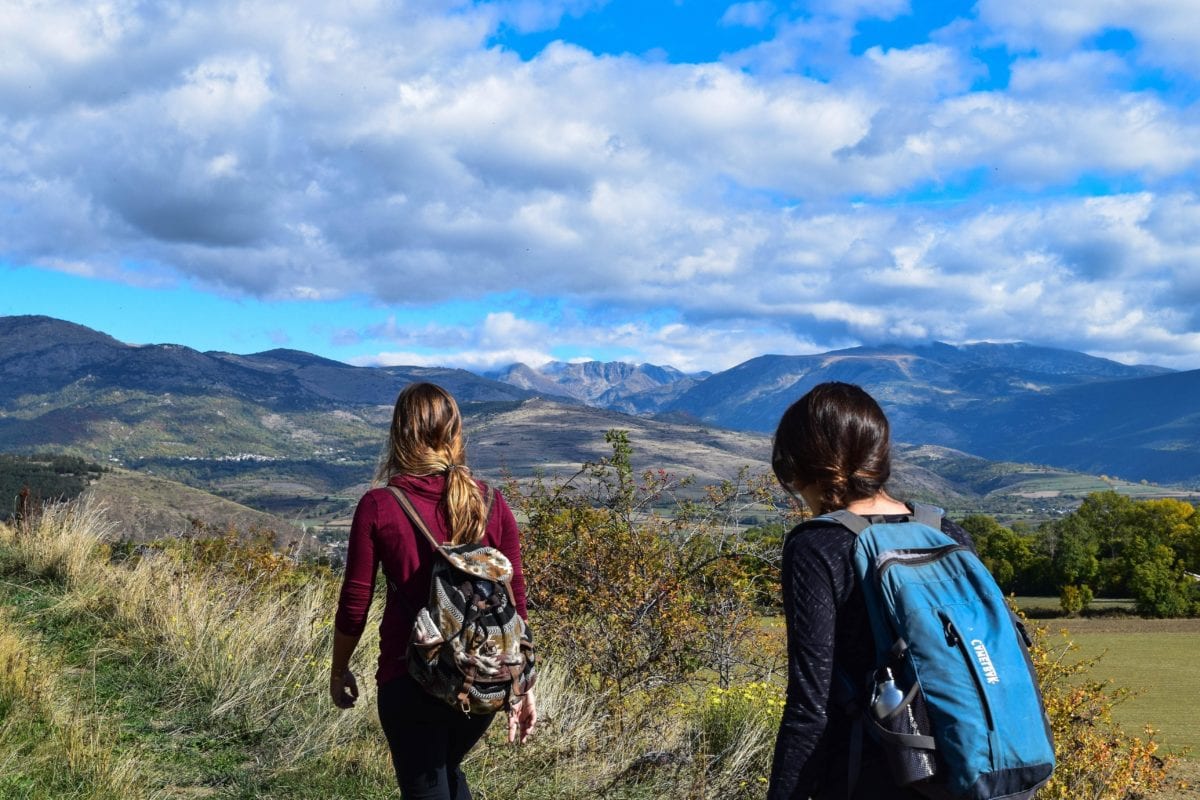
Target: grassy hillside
<point>200,671</point>
<point>140,507</point>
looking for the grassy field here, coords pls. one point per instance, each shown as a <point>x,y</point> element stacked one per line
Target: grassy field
<point>1157,659</point>
<point>1153,658</point>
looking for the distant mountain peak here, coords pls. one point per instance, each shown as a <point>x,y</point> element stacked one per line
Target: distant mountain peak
<point>601,383</point>
<point>297,357</point>
<point>33,333</point>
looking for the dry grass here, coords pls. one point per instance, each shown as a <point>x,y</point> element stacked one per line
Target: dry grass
<point>249,657</point>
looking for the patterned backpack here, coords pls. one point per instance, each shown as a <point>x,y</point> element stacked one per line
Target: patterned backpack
<point>469,645</point>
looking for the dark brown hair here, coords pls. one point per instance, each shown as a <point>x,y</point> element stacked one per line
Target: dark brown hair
<point>426,439</point>
<point>836,438</point>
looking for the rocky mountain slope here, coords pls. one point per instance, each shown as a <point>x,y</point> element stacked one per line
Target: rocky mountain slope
<point>256,423</point>
<point>615,385</point>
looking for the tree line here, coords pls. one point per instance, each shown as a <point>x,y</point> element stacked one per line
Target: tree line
<point>47,477</point>
<point>1112,546</point>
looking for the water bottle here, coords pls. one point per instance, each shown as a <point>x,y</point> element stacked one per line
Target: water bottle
<point>908,764</point>
<point>888,696</point>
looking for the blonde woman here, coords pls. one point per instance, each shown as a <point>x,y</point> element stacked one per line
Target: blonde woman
<point>426,458</point>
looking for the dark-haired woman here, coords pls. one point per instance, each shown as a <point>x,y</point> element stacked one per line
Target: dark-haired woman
<point>426,458</point>
<point>832,449</point>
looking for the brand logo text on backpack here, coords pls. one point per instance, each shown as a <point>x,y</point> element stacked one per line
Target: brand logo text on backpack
<point>985,661</point>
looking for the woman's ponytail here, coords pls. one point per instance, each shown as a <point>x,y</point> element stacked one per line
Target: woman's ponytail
<point>464,505</point>
<point>426,439</point>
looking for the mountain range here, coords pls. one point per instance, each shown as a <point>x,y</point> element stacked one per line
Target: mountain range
<point>615,385</point>
<point>1012,402</point>
<point>66,386</point>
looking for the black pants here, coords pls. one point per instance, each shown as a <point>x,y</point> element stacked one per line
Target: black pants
<point>428,740</point>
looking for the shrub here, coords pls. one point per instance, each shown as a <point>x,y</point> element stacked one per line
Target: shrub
<point>1075,599</point>
<point>642,588</point>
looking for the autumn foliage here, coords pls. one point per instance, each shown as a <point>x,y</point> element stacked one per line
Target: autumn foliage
<point>637,585</point>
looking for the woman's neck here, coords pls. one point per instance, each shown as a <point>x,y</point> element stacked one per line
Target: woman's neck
<point>882,503</point>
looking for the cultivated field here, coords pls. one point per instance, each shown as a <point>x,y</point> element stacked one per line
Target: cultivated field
<point>1157,658</point>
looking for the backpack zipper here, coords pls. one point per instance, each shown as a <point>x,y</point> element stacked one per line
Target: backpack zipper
<point>953,639</point>
<point>914,557</point>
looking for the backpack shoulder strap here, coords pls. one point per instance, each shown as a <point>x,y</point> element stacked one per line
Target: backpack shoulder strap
<point>848,519</point>
<point>924,514</point>
<point>489,498</point>
<point>851,521</point>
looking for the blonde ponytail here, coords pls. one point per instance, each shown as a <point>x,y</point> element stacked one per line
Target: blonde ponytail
<point>426,439</point>
<point>464,505</point>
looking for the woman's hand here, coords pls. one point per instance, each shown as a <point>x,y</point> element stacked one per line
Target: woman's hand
<point>522,718</point>
<point>343,688</point>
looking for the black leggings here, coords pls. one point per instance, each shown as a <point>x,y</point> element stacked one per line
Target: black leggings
<point>428,740</point>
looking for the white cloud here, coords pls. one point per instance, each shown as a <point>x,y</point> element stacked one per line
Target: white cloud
<point>311,151</point>
<point>748,15</point>
<point>479,360</point>
<point>1167,31</point>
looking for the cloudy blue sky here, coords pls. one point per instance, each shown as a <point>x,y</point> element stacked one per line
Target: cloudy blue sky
<point>682,182</point>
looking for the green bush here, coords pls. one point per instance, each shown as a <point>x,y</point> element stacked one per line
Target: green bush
<point>1075,599</point>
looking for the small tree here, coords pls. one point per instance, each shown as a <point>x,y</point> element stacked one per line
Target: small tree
<point>1075,599</point>
<point>638,586</point>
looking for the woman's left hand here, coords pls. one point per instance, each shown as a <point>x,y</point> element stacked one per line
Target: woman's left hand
<point>343,688</point>
<point>522,718</point>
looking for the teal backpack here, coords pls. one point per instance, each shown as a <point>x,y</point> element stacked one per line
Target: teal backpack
<point>953,701</point>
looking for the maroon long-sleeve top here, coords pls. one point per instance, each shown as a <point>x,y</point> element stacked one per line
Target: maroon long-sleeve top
<point>382,535</point>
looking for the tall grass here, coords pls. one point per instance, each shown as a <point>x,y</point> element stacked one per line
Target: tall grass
<point>242,654</point>
<point>212,665</point>
<point>243,658</point>
<point>59,544</point>
<point>249,657</point>
<point>47,747</point>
